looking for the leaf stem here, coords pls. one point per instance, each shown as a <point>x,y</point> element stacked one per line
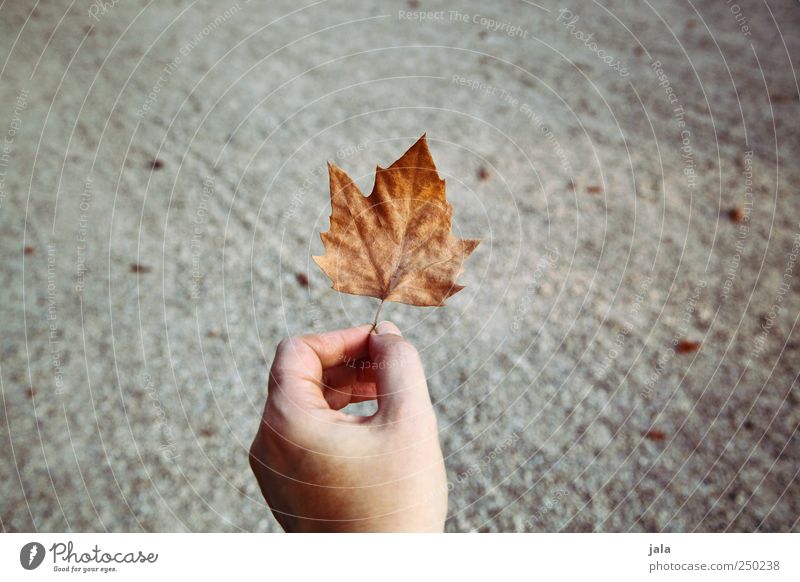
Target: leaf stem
<point>377,313</point>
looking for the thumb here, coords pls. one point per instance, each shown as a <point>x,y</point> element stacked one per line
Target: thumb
<point>402,390</point>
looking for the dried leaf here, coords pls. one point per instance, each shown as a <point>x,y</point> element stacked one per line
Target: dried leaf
<point>395,244</point>
<point>778,98</point>
<point>736,214</point>
<point>302,279</point>
<point>687,346</point>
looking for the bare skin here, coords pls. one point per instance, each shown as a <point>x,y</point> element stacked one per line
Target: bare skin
<point>322,470</point>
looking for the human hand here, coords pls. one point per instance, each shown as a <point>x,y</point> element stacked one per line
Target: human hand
<point>321,469</point>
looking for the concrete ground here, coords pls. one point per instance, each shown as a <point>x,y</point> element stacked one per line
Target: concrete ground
<point>623,358</point>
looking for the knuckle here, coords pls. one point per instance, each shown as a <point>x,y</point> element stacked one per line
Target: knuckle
<point>288,344</point>
<point>325,342</point>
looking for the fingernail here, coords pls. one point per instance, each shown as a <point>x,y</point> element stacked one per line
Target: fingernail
<point>388,327</point>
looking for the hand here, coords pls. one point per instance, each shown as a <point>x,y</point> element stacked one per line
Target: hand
<point>323,470</point>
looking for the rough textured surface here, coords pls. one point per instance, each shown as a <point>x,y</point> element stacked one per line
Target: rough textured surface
<point>163,188</point>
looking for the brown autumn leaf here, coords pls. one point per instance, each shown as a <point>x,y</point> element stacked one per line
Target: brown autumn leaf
<point>736,214</point>
<point>655,435</point>
<point>687,346</point>
<point>395,244</point>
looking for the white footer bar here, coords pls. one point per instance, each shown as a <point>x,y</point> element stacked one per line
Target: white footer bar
<point>372,557</point>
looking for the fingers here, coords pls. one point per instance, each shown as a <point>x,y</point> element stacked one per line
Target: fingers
<point>355,372</point>
<point>296,374</point>
<point>338,398</point>
<point>330,349</point>
<point>348,383</point>
<point>400,380</point>
<point>323,371</point>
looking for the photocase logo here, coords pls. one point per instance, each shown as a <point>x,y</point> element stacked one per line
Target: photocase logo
<point>31,555</point>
